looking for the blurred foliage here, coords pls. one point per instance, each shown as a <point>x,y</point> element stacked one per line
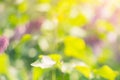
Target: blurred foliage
<point>60,39</point>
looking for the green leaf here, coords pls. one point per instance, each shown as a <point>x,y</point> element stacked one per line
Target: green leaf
<point>26,38</point>
<point>37,73</point>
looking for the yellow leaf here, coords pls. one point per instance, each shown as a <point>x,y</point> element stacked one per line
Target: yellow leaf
<point>79,20</point>
<point>23,6</point>
<point>74,46</point>
<point>106,72</point>
<point>4,63</point>
<point>74,42</point>
<point>104,25</point>
<point>85,70</point>
<point>57,58</point>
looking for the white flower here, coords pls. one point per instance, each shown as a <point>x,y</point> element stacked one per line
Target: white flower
<point>46,62</point>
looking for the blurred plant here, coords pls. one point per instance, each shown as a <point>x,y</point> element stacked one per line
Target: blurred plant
<point>4,42</point>
<point>59,40</point>
<point>29,28</point>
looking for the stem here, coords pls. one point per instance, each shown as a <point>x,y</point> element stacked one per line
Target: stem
<point>53,74</point>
